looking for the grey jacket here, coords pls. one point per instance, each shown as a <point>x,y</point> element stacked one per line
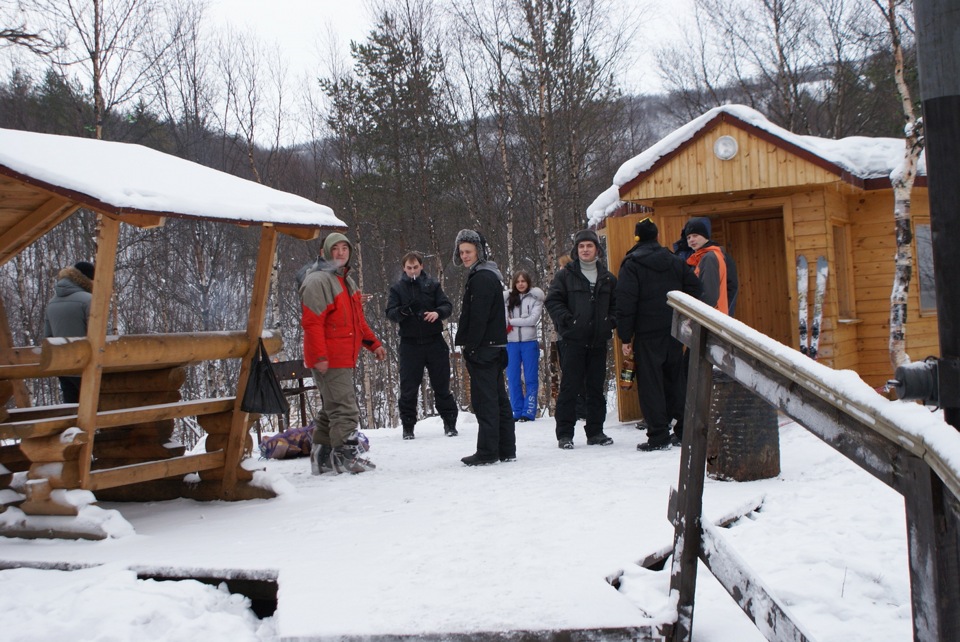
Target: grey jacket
<point>66,314</point>
<point>523,321</point>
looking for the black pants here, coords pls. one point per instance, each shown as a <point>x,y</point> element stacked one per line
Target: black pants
<point>660,383</point>
<point>497,437</point>
<point>435,357</point>
<point>581,369</point>
<point>70,389</point>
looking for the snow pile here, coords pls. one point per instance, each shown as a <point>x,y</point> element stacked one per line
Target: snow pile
<point>135,177</point>
<point>110,603</point>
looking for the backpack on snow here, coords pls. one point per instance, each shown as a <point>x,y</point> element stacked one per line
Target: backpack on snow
<point>289,444</point>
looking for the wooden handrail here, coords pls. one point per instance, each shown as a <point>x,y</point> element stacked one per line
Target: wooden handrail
<point>148,471</point>
<point>901,444</point>
<point>813,377</point>
<point>126,353</point>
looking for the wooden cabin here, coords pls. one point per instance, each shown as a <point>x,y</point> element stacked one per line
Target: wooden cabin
<point>116,441</point>
<point>771,197</point>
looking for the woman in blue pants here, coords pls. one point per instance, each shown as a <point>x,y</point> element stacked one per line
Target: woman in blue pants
<point>524,304</point>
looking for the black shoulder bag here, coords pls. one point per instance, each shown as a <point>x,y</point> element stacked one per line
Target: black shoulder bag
<point>263,394</point>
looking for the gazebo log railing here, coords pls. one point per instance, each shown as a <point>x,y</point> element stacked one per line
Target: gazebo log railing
<point>861,429</point>
<point>50,435</point>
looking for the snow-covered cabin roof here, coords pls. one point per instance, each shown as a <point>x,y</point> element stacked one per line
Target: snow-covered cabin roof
<point>44,177</point>
<point>869,162</point>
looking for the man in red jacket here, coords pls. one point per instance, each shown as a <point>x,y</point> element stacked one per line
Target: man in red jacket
<point>334,329</point>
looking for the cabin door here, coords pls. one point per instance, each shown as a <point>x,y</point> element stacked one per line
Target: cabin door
<point>756,243</point>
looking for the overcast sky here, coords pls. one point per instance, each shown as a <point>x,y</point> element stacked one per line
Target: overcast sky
<point>305,29</point>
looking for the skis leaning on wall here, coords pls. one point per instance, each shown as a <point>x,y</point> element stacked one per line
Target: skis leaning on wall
<point>802,282</point>
<point>818,306</point>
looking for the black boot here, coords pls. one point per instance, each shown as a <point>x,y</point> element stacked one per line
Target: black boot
<point>450,427</point>
<point>408,431</point>
<point>477,459</point>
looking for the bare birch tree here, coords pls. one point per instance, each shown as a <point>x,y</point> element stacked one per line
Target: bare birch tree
<point>902,182</point>
<point>104,40</point>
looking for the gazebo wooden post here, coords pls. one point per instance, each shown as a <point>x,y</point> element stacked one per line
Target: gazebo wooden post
<point>20,393</point>
<point>108,231</point>
<point>258,312</point>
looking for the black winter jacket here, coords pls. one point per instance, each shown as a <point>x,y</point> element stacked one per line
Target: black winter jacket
<point>582,317</point>
<point>482,321</point>
<point>647,273</point>
<point>410,299</point>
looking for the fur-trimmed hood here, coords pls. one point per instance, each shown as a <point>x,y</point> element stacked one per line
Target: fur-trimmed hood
<point>73,276</point>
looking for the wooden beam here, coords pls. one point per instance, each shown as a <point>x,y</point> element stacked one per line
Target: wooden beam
<point>108,232</point>
<point>298,232</point>
<point>144,221</point>
<point>19,356</point>
<point>693,463</point>
<point>255,318</point>
<point>771,617</point>
<point>135,352</point>
<point>128,353</point>
<point>20,393</point>
<point>933,546</point>
<point>148,471</point>
<point>114,418</point>
<point>34,225</point>
<point>53,447</point>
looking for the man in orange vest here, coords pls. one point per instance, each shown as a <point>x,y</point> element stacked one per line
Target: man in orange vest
<point>716,270</point>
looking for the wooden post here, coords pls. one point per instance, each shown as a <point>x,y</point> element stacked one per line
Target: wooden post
<point>938,30</point>
<point>258,312</point>
<point>693,460</point>
<point>20,393</point>
<point>108,231</point>
<point>934,553</point>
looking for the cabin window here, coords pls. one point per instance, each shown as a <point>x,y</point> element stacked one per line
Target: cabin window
<point>928,291</point>
<point>843,254</point>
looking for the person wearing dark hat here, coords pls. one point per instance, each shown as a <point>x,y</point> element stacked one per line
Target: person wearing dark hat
<point>67,313</point>
<point>581,304</point>
<point>647,273</point>
<point>714,267</point>
<point>418,305</point>
<point>334,330</point>
<point>482,335</point>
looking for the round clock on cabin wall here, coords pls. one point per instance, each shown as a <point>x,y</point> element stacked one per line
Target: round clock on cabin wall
<point>725,147</point>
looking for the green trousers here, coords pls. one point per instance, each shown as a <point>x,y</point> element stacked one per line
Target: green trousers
<point>340,414</point>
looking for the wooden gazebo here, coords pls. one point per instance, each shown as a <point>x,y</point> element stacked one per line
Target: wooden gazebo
<point>114,442</point>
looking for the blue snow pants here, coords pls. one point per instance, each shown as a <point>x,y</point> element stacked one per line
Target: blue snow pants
<point>523,356</point>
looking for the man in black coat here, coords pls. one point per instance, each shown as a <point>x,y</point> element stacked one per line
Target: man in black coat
<point>647,273</point>
<point>581,305</point>
<point>482,333</point>
<point>417,303</point>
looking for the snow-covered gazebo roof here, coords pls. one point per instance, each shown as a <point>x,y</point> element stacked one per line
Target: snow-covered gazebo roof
<point>857,159</point>
<point>44,178</point>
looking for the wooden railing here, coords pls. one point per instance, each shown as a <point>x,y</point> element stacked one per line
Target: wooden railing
<point>880,436</point>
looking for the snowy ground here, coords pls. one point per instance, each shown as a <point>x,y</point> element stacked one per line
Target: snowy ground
<point>426,545</point>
